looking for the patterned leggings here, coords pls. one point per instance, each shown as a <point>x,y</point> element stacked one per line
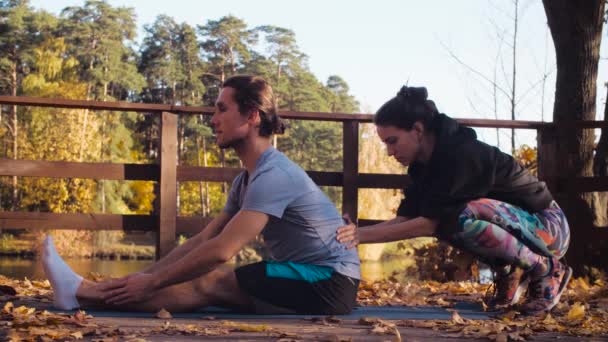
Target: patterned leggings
<point>502,234</point>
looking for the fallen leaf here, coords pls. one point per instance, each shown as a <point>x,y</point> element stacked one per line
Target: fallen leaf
<point>457,319</point>
<point>8,307</point>
<point>163,314</point>
<point>577,312</point>
<point>77,335</point>
<point>247,327</point>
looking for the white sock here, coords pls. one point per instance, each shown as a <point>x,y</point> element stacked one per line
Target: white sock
<point>64,281</point>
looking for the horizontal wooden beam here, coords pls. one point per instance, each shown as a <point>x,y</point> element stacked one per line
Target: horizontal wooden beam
<point>186,225</point>
<point>61,169</point>
<point>487,123</point>
<point>191,225</point>
<point>101,105</point>
<point>37,220</point>
<point>315,116</point>
<point>206,174</point>
<point>382,181</point>
<point>150,172</point>
<point>323,178</point>
<point>583,184</point>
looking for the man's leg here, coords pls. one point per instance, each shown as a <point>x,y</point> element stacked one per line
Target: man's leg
<point>218,287</point>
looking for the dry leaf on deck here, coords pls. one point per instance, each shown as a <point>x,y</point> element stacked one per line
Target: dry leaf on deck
<point>163,314</point>
<point>577,312</point>
<point>247,327</point>
<point>457,319</point>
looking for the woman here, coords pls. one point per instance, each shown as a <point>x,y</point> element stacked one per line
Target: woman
<point>473,196</point>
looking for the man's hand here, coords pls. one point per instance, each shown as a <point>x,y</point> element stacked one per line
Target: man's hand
<point>133,288</point>
<point>348,234</point>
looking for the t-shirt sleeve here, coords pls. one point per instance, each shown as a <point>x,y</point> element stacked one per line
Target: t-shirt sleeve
<point>270,192</point>
<point>232,203</point>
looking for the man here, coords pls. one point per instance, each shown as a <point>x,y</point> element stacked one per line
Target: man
<point>309,272</point>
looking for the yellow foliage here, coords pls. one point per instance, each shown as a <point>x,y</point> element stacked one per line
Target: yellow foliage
<point>527,157</point>
<point>577,312</point>
<point>143,197</point>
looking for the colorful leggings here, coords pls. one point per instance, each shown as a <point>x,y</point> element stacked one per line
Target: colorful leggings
<point>502,234</point>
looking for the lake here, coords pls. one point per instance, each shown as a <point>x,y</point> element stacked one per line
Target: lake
<point>32,268</point>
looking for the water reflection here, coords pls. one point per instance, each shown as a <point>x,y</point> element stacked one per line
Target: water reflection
<point>394,267</point>
<point>32,269</point>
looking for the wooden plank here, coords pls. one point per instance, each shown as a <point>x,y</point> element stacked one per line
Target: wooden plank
<point>101,105</point>
<point>350,162</point>
<point>191,225</point>
<point>382,181</point>
<point>168,185</point>
<point>316,116</point>
<point>226,174</point>
<point>323,178</point>
<point>488,123</point>
<point>61,169</point>
<point>206,174</point>
<point>583,184</point>
<point>37,220</point>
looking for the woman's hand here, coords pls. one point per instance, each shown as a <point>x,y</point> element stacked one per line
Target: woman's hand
<point>348,235</point>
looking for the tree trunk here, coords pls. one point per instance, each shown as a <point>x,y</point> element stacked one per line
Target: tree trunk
<point>576,28</point>
<point>513,75</point>
<point>600,162</point>
<point>15,132</point>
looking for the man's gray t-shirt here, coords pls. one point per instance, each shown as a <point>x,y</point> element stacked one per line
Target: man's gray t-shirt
<point>302,220</point>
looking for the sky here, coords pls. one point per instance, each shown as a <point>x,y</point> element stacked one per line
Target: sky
<point>451,47</point>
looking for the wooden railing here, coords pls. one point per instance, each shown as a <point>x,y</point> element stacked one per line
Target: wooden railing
<point>165,220</point>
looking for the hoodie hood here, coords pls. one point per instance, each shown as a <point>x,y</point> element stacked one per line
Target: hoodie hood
<point>450,133</point>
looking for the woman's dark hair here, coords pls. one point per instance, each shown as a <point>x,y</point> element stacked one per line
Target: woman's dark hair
<point>254,93</point>
<point>408,107</point>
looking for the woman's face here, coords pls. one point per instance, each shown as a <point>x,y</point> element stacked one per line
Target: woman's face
<point>403,145</point>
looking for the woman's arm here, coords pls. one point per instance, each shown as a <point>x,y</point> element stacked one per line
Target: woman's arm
<point>387,232</point>
<point>399,228</point>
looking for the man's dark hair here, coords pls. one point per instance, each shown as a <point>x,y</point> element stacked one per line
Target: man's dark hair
<point>254,93</point>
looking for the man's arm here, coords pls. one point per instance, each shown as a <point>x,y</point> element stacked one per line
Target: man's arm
<point>241,229</point>
<point>201,259</point>
<point>211,230</point>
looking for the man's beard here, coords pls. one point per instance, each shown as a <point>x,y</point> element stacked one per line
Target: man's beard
<point>234,143</point>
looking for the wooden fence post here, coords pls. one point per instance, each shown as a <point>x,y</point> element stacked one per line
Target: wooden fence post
<point>548,170</point>
<point>350,164</point>
<point>168,185</point>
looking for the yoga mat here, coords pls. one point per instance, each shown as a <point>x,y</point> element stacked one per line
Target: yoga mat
<point>466,310</point>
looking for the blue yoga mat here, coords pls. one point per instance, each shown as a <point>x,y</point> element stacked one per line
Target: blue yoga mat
<point>466,310</point>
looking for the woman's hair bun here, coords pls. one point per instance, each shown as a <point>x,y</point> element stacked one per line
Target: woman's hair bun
<point>413,94</point>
